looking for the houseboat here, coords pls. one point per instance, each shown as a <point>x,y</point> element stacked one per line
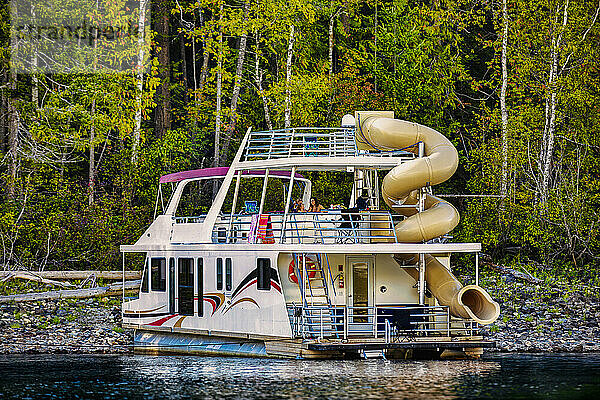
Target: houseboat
<point>235,265</point>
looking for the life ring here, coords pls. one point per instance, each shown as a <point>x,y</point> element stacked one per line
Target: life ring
<point>310,268</point>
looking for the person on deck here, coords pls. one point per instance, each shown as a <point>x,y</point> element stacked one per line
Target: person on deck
<point>298,206</point>
<point>315,207</point>
<point>361,202</point>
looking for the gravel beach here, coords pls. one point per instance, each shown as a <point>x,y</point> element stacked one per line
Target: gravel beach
<point>533,318</point>
<point>63,326</point>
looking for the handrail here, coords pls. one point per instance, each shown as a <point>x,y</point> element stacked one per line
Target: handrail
<point>375,322</point>
<point>325,228</point>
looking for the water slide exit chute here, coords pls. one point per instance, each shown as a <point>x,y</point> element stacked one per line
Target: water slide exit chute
<point>380,131</point>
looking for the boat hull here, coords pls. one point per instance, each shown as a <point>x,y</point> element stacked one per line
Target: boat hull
<point>164,343</point>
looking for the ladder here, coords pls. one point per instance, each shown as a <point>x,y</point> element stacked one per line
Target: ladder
<point>367,179</point>
<point>318,311</point>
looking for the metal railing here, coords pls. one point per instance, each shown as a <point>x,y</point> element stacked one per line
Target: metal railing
<point>300,142</point>
<point>308,142</point>
<point>198,219</point>
<point>331,227</point>
<point>392,323</point>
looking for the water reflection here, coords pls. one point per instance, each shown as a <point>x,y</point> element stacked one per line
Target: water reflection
<point>513,376</point>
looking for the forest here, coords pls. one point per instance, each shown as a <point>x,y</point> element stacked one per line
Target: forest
<point>91,118</point>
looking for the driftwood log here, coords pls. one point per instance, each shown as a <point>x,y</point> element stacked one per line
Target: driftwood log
<point>32,276</point>
<point>112,290</point>
<point>76,275</point>
<point>485,259</point>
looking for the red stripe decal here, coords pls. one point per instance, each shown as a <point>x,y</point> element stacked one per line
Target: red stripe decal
<point>163,320</point>
<point>246,287</point>
<point>212,303</point>
<point>276,286</point>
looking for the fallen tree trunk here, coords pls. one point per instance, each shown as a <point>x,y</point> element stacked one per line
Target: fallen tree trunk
<point>509,271</point>
<point>112,290</point>
<point>31,276</point>
<point>59,275</point>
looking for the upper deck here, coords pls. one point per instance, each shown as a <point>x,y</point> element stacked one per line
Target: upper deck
<point>278,155</point>
<point>315,148</point>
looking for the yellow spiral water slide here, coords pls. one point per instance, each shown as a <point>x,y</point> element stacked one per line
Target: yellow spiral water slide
<point>401,187</point>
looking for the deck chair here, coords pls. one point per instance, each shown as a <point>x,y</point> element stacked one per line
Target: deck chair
<point>347,230</point>
<point>250,207</point>
<point>311,147</point>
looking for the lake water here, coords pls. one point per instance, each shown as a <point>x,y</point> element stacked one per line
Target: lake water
<point>564,376</point>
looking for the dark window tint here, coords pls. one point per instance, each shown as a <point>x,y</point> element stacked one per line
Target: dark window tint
<point>219,274</point>
<point>200,279</point>
<point>172,285</point>
<point>145,276</point>
<point>228,274</point>
<point>159,274</point>
<point>185,285</point>
<point>263,265</point>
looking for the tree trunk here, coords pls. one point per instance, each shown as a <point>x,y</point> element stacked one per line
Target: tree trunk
<point>195,80</point>
<point>139,81</point>
<point>111,290</point>
<point>503,110</point>
<point>3,114</point>
<point>236,87</point>
<point>162,115</point>
<point>217,150</point>
<point>92,166</point>
<point>34,77</point>
<point>77,275</point>
<point>288,78</point>
<point>331,25</point>
<point>13,135</point>
<point>547,145</point>
<point>205,60</point>
<point>375,46</point>
<point>258,80</point>
<point>32,276</point>
<point>184,70</point>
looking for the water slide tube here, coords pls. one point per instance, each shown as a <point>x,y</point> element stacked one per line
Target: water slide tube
<point>401,187</point>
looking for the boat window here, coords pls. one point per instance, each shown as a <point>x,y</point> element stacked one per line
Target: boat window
<point>228,275</point>
<point>159,274</point>
<point>219,274</point>
<point>221,234</point>
<point>248,201</point>
<point>200,279</point>
<point>145,275</point>
<point>185,283</point>
<point>172,285</point>
<point>197,198</point>
<point>263,266</point>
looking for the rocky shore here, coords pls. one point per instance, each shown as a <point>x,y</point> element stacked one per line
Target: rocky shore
<point>64,326</point>
<point>534,318</point>
<point>557,317</point>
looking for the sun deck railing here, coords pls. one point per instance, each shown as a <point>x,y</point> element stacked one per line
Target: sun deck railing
<point>332,227</point>
<point>300,142</point>
<point>391,323</point>
<point>307,142</point>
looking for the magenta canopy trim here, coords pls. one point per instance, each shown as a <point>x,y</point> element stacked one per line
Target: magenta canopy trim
<point>218,172</point>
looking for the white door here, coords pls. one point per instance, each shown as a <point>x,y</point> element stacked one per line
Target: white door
<point>360,292</point>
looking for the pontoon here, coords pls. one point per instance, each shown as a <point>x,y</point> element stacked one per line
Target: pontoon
<point>234,267</point>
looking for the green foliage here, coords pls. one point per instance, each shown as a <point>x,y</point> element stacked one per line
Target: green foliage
<point>432,62</point>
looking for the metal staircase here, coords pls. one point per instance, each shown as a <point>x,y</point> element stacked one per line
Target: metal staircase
<point>318,312</point>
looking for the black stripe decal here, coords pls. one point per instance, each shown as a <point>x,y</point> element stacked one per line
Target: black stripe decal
<point>126,315</point>
<point>252,275</point>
